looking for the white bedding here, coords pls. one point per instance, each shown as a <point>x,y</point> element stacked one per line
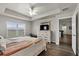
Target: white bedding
<point>32,50</point>
<point>19,39</point>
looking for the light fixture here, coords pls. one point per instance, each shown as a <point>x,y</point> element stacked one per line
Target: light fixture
<point>32,11</point>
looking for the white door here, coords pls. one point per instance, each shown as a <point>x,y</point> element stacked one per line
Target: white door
<point>74,33</point>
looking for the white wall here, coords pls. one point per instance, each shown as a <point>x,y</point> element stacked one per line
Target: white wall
<point>35,27</point>
<point>28,27</point>
<point>55,29</point>
<point>4,19</point>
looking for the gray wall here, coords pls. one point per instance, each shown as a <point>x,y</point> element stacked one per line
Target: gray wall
<point>3,21</point>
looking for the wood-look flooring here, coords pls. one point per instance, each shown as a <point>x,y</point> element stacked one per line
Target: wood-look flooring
<point>64,49</point>
<point>66,39</point>
<point>55,50</point>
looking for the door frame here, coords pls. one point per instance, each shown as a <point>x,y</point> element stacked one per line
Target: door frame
<point>77,34</point>
<point>59,24</point>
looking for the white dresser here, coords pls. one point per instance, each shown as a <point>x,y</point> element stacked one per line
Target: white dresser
<point>46,35</point>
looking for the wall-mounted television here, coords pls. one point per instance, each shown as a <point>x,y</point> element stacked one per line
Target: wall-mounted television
<point>44,27</point>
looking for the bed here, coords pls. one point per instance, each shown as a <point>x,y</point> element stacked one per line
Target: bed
<point>24,46</point>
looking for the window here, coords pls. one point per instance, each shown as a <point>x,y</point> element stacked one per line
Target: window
<point>11,25</point>
<point>21,26</point>
<point>20,29</point>
<point>64,28</point>
<point>15,29</point>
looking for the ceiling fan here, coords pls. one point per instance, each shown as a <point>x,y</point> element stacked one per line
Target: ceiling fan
<point>32,10</point>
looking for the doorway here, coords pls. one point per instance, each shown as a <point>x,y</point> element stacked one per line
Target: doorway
<point>65,32</point>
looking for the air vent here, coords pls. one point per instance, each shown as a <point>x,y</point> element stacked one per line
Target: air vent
<point>65,9</point>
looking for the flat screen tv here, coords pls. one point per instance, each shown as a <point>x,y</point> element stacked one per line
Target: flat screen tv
<point>44,27</point>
